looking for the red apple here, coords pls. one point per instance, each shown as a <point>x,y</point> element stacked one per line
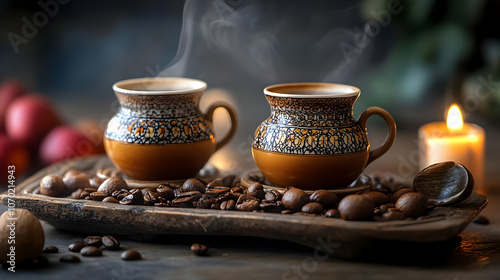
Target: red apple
<point>12,154</point>
<point>29,119</point>
<point>65,142</point>
<point>9,91</point>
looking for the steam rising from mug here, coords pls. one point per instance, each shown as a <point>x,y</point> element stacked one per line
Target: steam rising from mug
<point>271,40</point>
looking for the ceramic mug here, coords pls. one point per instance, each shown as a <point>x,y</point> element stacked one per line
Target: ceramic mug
<point>311,139</point>
<point>159,132</point>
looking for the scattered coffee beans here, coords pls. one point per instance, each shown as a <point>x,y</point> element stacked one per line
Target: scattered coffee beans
<point>76,246</point>
<point>199,249</point>
<point>69,258</point>
<point>93,241</point>
<point>110,242</point>
<point>90,251</point>
<point>50,249</point>
<point>130,255</point>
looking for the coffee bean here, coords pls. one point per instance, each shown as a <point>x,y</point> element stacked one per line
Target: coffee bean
<point>219,190</point>
<point>312,207</point>
<point>332,213</point>
<point>76,246</point>
<point>215,206</point>
<point>110,242</point>
<point>393,215</point>
<point>150,197</point>
<point>133,198</point>
<point>50,249</point>
<point>227,205</point>
<point>273,195</point>
<point>98,196</point>
<point>214,183</point>
<point>76,194</point>
<point>248,205</point>
<point>193,185</point>
<point>384,208</point>
<point>186,199</point>
<point>90,190</point>
<point>130,255</point>
<point>237,189</point>
<point>165,191</point>
<point>482,220</point>
<point>395,196</point>
<point>270,206</point>
<point>377,198</point>
<point>356,207</point>
<point>90,251</point>
<point>412,204</point>
<point>120,194</point>
<point>69,258</point>
<point>199,249</point>
<point>112,184</point>
<point>110,199</point>
<point>256,190</point>
<point>294,199</point>
<point>227,181</point>
<point>93,241</point>
<point>84,195</point>
<point>326,198</point>
<point>52,185</point>
<point>205,202</point>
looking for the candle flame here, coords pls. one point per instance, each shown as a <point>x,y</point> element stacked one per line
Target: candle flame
<point>454,121</point>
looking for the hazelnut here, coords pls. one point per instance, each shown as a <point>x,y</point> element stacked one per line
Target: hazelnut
<point>356,207</point>
<point>256,190</point>
<point>412,204</point>
<point>294,199</point>
<point>376,197</point>
<point>112,184</point>
<point>29,234</point>
<point>74,182</point>
<point>193,184</point>
<point>326,198</point>
<point>52,185</point>
<point>395,196</point>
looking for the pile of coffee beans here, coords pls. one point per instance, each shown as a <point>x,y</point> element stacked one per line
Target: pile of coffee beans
<point>386,200</point>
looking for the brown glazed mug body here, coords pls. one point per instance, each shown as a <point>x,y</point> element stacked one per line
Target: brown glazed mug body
<point>311,139</point>
<point>159,132</point>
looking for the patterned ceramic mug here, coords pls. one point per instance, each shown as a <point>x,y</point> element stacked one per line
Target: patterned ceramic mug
<point>159,132</point>
<point>311,139</point>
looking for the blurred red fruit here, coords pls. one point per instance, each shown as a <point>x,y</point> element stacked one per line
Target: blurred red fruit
<point>65,142</point>
<point>93,132</point>
<point>29,119</point>
<point>12,154</point>
<point>9,91</point>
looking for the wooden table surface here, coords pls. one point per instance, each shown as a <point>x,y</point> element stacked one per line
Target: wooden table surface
<point>475,254</point>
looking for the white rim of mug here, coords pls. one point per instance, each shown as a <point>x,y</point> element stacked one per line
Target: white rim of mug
<point>347,90</point>
<point>192,86</point>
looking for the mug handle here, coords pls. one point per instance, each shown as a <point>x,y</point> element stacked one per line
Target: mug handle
<point>234,121</point>
<point>390,124</point>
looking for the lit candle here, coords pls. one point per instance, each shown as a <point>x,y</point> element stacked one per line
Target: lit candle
<point>454,141</point>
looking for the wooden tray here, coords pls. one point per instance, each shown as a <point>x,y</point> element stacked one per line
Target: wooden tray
<point>144,222</point>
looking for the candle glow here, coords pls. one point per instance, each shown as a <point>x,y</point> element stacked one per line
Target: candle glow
<point>456,141</point>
